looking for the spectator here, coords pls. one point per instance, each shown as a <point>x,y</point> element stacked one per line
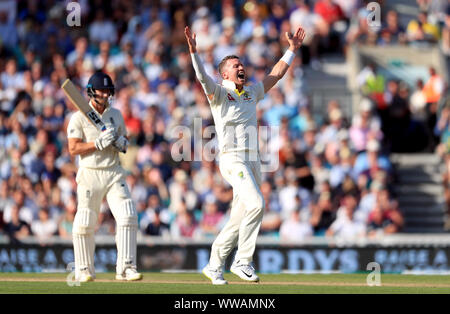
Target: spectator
<point>294,229</point>
<point>279,109</point>
<point>225,46</point>
<point>320,173</point>
<point>369,188</point>
<point>102,29</point>
<point>333,15</point>
<point>65,224</point>
<point>279,14</point>
<point>155,184</point>
<point>203,178</point>
<point>11,78</point>
<point>45,227</point>
<point>372,84</point>
<point>443,130</point>
<point>433,90</point>
<point>80,52</point>
<point>443,150</point>
<point>185,225</point>
<point>418,102</point>
<point>26,208</point>
<point>365,126</point>
<point>339,163</point>
<point>288,193</point>
<point>50,171</point>
<point>8,31</point>
<point>359,30</point>
<point>330,132</point>
<point>298,160</point>
<point>137,188</point>
<point>434,87</point>
<point>148,217</point>
<point>421,30</point>
<point>345,227</point>
<point>16,229</point>
<point>106,224</point>
<point>156,227</point>
<point>445,45</point>
<point>253,20</point>
<point>315,27</point>
<point>349,7</point>
<point>271,198</point>
<point>329,11</point>
<point>271,220</point>
<point>206,29</point>
<point>212,220</point>
<point>385,218</point>
<point>394,31</point>
<point>5,199</point>
<point>370,161</point>
<point>323,213</point>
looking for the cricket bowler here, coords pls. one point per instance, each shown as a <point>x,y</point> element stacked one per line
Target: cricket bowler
<point>100,174</point>
<point>233,106</point>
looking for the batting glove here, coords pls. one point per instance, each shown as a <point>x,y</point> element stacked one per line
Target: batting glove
<point>105,139</point>
<point>121,144</point>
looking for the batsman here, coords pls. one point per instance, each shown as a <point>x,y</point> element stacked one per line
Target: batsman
<point>100,174</point>
<point>233,106</point>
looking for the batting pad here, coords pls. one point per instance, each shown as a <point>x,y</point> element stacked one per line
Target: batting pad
<point>126,219</point>
<point>83,240</point>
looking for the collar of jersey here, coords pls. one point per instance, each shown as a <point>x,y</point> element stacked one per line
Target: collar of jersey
<point>104,111</point>
<point>231,85</point>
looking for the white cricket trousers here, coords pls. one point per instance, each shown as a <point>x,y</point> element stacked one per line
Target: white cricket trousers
<point>243,172</point>
<point>92,187</point>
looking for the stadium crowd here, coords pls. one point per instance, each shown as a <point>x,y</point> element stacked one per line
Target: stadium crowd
<point>334,174</point>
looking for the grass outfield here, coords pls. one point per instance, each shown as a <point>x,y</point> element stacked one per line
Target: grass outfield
<point>169,283</point>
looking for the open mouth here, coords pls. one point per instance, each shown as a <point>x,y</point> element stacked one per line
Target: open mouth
<point>241,75</point>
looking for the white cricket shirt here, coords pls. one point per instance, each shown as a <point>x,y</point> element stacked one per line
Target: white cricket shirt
<point>80,127</point>
<point>234,116</point>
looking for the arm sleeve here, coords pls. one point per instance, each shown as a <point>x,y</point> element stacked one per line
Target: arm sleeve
<point>259,89</point>
<point>74,129</point>
<point>208,84</point>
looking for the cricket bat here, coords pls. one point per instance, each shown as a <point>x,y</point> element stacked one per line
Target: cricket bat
<point>82,104</point>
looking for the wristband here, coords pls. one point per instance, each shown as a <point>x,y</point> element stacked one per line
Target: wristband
<point>288,57</point>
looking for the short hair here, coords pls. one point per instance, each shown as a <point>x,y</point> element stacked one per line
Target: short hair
<point>224,61</point>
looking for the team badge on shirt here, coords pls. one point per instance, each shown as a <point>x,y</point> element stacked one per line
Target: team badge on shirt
<point>247,96</point>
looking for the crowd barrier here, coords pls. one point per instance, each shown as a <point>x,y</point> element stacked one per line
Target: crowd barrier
<point>394,254</point>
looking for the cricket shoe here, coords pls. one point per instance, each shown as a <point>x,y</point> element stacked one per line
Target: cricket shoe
<point>129,274</point>
<point>244,271</point>
<point>215,275</point>
<point>84,276</point>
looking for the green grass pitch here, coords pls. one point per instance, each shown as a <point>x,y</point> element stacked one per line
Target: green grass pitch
<point>192,283</point>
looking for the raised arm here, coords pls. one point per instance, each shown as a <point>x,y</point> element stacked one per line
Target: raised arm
<point>282,66</point>
<point>207,82</point>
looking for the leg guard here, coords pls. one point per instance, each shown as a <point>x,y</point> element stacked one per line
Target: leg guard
<point>83,240</point>
<point>126,234</point>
